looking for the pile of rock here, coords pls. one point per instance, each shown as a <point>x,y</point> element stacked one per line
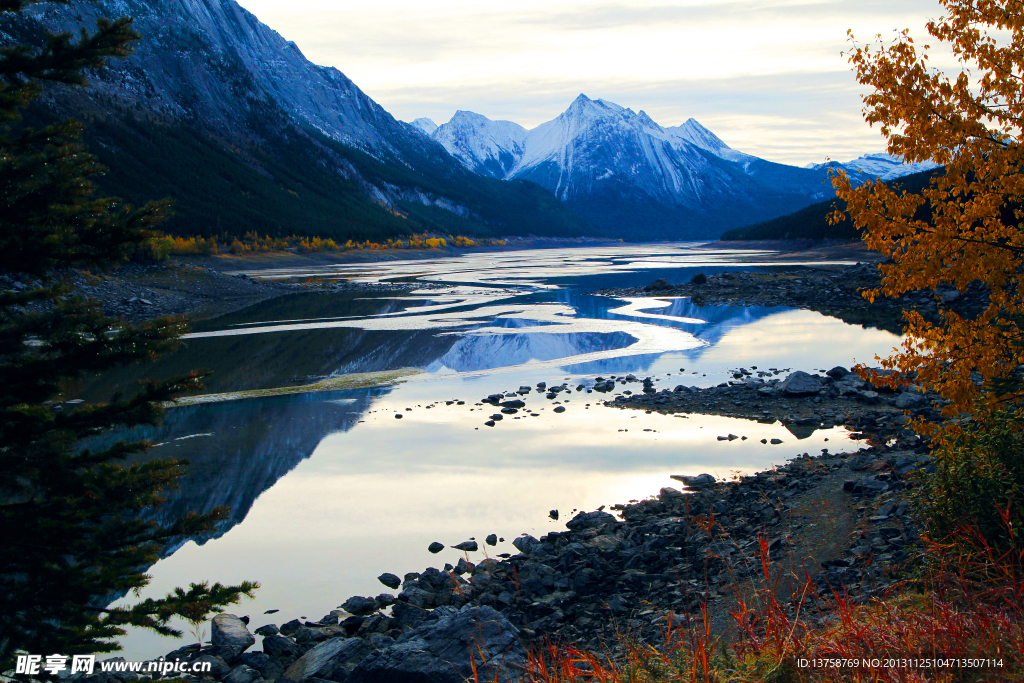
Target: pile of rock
<point>801,401</point>
<point>446,646</point>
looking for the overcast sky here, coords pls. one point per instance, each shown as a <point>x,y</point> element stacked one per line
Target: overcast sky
<point>766,76</point>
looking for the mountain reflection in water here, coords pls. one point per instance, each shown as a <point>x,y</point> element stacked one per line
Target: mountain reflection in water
<point>328,490</point>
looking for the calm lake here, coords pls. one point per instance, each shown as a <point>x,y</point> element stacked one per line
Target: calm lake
<point>328,490</point>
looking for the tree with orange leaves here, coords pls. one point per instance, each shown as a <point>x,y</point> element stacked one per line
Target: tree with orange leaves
<point>965,227</point>
<point>972,123</point>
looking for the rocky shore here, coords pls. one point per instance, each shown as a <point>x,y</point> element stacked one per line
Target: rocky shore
<point>840,518</point>
<point>803,402</point>
<point>139,292</point>
<point>831,290</point>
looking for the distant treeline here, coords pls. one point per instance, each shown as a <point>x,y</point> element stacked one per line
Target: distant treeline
<point>812,222</point>
<point>161,246</point>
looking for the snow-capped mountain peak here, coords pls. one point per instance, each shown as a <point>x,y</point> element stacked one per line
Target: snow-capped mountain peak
<point>485,146</point>
<point>880,165</point>
<point>694,133</point>
<point>427,126</point>
<point>620,168</point>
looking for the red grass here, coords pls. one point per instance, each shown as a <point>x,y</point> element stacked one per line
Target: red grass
<point>968,606</point>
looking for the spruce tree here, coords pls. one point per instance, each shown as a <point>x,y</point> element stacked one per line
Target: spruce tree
<point>71,531</point>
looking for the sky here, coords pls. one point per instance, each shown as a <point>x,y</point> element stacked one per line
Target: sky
<point>766,76</point>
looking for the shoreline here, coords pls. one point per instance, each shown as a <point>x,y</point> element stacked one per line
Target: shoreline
<point>835,291</point>
<point>841,518</point>
<point>203,287</point>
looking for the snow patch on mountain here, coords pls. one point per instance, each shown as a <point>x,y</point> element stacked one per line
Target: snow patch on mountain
<point>216,63</point>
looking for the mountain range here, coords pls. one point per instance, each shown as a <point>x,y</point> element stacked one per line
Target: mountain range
<point>631,177</point>
<point>881,166</point>
<point>220,113</point>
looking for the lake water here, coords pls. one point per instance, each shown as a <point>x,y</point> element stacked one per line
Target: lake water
<point>329,490</point>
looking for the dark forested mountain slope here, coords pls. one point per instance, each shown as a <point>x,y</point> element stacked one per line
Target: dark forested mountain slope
<point>220,113</point>
<point>812,222</point>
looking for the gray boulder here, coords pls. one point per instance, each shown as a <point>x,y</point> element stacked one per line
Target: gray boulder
<point>870,398</point>
<point>269,667</point>
<point>290,627</point>
<point>406,614</point>
<point>658,285</point>
<point>243,674</point>
<point>446,650</point>
<point>698,482</point>
<point>306,635</point>
<point>420,597</point>
<point>587,520</point>
<point>909,400</point>
<point>669,493</point>
<point>281,646</point>
<point>359,605</point>
<point>800,384</point>
<point>230,636</point>
<point>332,660</point>
<point>389,580</point>
<point>525,544</point>
<point>838,372</point>
<point>850,384</point>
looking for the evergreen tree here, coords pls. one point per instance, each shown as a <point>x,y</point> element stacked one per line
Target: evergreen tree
<point>71,535</point>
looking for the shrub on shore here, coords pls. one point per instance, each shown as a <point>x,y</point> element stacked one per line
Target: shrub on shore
<point>160,247</point>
